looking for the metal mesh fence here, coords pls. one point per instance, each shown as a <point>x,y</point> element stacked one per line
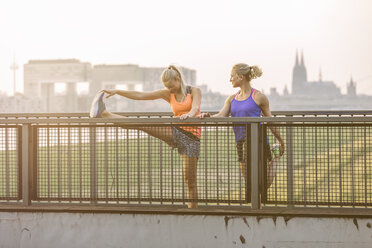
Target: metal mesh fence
<point>324,164</point>
<point>9,163</point>
<point>109,163</point>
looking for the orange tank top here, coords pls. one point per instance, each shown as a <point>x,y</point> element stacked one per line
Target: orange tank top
<point>180,108</point>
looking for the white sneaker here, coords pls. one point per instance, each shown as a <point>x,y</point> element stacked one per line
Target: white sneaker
<point>98,106</point>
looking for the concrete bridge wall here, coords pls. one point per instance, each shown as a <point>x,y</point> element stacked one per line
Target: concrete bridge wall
<point>45,229</point>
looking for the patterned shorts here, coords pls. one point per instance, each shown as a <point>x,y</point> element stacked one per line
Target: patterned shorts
<point>186,142</point>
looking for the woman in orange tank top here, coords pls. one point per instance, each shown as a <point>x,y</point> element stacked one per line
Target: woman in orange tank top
<point>185,102</point>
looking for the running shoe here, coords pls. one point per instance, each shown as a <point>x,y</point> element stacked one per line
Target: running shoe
<point>98,106</point>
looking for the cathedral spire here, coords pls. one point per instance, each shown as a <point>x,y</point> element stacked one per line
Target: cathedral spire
<point>296,58</point>
<point>302,58</point>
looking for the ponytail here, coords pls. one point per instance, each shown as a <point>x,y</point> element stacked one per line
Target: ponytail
<point>249,72</point>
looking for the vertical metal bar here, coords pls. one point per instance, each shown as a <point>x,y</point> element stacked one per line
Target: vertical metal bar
<point>246,183</point>
<point>93,164</point>
<point>127,160</point>
<point>117,162</point>
<point>161,170</point>
<point>352,168</point>
<point>183,186</point>
<point>149,166</point>
<point>80,164</point>
<point>139,167</point>
<point>33,160</point>
<point>7,167</point>
<point>59,174</point>
<point>206,166</point>
<point>276,179</point>
<point>18,162</point>
<point>255,194</point>
<point>217,166</point>
<point>328,170</point>
<point>48,160</point>
<point>340,163</point>
<point>172,176</point>
<point>25,164</point>
<point>304,161</point>
<point>228,165</point>
<point>262,160</point>
<point>290,165</point>
<point>69,163</point>
<point>365,166</point>
<point>105,142</point>
<point>316,166</point>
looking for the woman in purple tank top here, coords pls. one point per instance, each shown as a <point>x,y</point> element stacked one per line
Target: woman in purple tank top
<point>247,102</point>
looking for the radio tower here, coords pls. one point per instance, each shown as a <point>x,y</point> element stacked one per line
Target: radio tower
<point>14,68</point>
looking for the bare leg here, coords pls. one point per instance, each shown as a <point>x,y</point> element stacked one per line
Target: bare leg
<point>163,133</point>
<point>243,169</point>
<point>189,173</point>
<point>189,164</point>
<point>271,171</point>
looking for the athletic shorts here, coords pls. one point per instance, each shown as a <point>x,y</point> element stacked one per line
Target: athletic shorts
<point>186,143</point>
<point>241,147</point>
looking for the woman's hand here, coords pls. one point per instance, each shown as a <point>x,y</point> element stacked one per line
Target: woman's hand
<point>185,116</point>
<point>202,115</point>
<point>109,93</point>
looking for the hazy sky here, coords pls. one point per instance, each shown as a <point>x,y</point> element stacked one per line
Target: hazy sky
<point>208,36</point>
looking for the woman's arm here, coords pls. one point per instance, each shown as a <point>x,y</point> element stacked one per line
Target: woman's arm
<point>138,95</point>
<point>224,112</point>
<point>263,102</point>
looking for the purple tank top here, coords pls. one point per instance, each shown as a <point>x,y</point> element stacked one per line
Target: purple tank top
<point>245,108</point>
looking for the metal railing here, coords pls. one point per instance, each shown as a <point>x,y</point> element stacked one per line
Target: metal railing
<point>73,159</point>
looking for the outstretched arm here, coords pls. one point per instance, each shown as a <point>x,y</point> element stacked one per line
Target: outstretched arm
<point>138,95</point>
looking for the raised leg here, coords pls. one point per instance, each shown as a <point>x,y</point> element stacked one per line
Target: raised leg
<point>163,133</point>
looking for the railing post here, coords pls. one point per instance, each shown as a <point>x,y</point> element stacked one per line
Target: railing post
<point>26,162</point>
<point>255,194</point>
<point>290,167</point>
<point>93,164</point>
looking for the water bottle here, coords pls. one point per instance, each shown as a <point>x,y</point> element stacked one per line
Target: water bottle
<point>275,149</point>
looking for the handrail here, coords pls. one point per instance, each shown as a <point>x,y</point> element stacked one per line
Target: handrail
<point>146,114</point>
<point>168,120</point>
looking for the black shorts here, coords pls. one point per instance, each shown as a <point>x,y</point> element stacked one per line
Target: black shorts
<point>241,147</point>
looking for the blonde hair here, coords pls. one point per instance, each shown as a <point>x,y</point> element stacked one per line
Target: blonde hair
<point>174,73</point>
<point>249,72</point>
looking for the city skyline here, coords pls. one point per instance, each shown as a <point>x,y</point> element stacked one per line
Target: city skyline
<point>334,36</point>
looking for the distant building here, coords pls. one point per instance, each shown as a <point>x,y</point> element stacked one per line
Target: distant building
<point>56,83</point>
<point>133,77</point>
<point>317,95</point>
<point>302,87</point>
<point>351,88</point>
